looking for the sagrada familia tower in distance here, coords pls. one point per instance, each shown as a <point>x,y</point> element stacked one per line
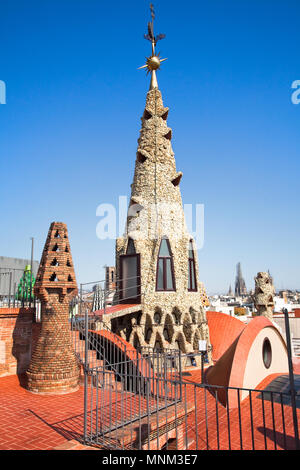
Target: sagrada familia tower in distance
<point>156,259</point>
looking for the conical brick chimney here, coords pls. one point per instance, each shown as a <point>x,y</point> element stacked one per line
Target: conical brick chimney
<point>54,368</point>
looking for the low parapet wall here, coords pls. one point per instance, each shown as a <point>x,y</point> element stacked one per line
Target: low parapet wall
<point>17,336</point>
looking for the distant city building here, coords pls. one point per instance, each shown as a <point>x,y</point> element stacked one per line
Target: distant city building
<point>240,285</point>
<point>98,299</point>
<point>11,272</point>
<point>281,303</point>
<point>216,305</point>
<point>110,279</point>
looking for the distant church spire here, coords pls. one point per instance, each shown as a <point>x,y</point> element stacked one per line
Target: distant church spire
<point>240,285</point>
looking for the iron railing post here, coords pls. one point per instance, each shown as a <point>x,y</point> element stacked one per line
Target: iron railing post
<point>15,292</point>
<point>86,320</point>
<point>9,294</point>
<point>80,300</point>
<point>291,377</point>
<point>31,269</point>
<point>180,375</point>
<point>104,301</point>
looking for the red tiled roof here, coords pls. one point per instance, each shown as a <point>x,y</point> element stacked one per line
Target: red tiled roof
<point>127,349</point>
<point>223,331</point>
<point>114,309</point>
<point>244,344</point>
<point>230,368</point>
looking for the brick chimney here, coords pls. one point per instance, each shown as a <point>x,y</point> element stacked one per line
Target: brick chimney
<point>54,369</point>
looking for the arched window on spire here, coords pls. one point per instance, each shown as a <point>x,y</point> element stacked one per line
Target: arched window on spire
<point>165,280</point>
<point>192,282</point>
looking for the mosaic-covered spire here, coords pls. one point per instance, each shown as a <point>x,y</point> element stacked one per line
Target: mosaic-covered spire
<point>156,261</point>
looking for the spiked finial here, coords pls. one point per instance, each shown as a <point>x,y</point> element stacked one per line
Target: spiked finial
<point>153,62</point>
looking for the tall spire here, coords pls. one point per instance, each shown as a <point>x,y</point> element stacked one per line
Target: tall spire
<point>156,262</point>
<point>153,62</point>
<point>240,285</point>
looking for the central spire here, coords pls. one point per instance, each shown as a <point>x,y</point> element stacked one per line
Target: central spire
<point>153,62</point>
<point>156,263</point>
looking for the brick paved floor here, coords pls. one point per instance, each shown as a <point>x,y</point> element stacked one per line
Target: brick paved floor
<point>264,425</point>
<point>29,421</point>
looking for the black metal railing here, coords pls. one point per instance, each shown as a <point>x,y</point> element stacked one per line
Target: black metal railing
<point>184,415</point>
<point>137,398</point>
<point>121,406</point>
<point>122,385</point>
<point>231,418</point>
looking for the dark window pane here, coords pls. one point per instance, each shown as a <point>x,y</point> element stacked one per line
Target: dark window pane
<point>169,277</point>
<point>160,274</point>
<point>191,250</point>
<point>191,267</point>
<point>165,275</point>
<point>192,271</point>
<point>129,277</point>
<point>267,353</point>
<point>189,281</point>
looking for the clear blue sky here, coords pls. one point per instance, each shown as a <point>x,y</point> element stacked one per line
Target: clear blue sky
<point>68,133</point>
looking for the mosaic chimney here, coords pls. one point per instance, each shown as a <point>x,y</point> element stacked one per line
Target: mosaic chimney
<point>264,295</point>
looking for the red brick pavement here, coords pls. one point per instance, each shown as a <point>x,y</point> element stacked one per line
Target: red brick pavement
<point>210,430</point>
<point>29,421</point>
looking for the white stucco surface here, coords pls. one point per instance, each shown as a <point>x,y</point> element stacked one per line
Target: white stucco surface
<point>255,370</point>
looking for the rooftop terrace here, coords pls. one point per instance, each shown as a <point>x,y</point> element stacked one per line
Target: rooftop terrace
<point>33,422</point>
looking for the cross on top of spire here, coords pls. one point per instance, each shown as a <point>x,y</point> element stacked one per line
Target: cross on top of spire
<point>150,36</point>
<point>153,62</point>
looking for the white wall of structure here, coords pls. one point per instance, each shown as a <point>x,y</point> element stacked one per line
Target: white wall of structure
<point>279,304</point>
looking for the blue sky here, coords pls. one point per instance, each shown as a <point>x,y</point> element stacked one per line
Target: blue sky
<point>69,129</point>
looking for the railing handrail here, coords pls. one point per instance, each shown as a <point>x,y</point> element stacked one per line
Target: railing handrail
<point>230,387</point>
